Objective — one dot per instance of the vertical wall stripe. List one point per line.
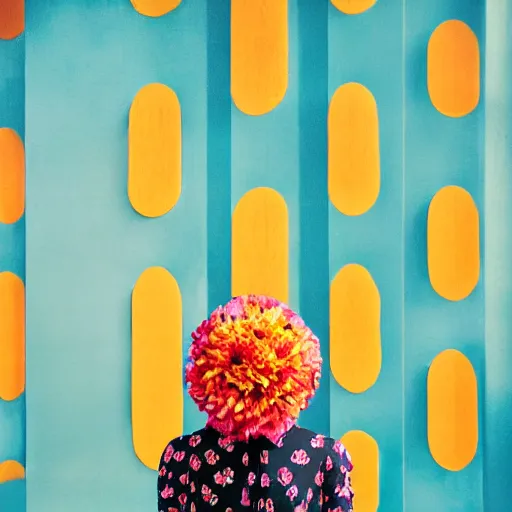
(219, 155)
(453, 243)
(364, 451)
(313, 203)
(12, 176)
(453, 69)
(497, 217)
(353, 150)
(12, 336)
(355, 329)
(11, 470)
(433, 324)
(154, 8)
(259, 54)
(12, 18)
(154, 150)
(452, 404)
(260, 245)
(157, 355)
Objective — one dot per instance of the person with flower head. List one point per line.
(254, 365)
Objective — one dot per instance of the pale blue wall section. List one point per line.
(12, 259)
(367, 49)
(86, 61)
(439, 151)
(498, 245)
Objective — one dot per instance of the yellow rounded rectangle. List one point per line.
(353, 6)
(11, 470)
(259, 54)
(12, 336)
(364, 452)
(154, 151)
(157, 364)
(453, 243)
(453, 69)
(154, 8)
(12, 176)
(353, 150)
(355, 350)
(260, 245)
(12, 18)
(452, 410)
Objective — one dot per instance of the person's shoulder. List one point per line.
(182, 444)
(331, 448)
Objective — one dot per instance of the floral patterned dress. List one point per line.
(302, 471)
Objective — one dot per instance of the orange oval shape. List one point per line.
(11, 470)
(356, 353)
(157, 368)
(353, 150)
(364, 452)
(154, 151)
(452, 410)
(154, 8)
(12, 18)
(259, 54)
(353, 6)
(12, 176)
(453, 69)
(12, 336)
(260, 245)
(453, 243)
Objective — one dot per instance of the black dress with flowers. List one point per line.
(303, 471)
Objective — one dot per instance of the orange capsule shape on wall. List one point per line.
(353, 150)
(11, 470)
(154, 151)
(260, 245)
(453, 243)
(12, 336)
(259, 54)
(353, 6)
(154, 8)
(12, 176)
(452, 410)
(364, 452)
(157, 364)
(453, 69)
(355, 329)
(12, 18)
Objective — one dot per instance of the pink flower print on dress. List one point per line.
(184, 478)
(292, 492)
(162, 471)
(211, 457)
(194, 441)
(339, 448)
(319, 479)
(261, 504)
(245, 459)
(269, 505)
(178, 456)
(328, 463)
(300, 457)
(264, 457)
(265, 480)
(192, 487)
(192, 507)
(208, 495)
(168, 453)
(251, 478)
(301, 508)
(225, 477)
(245, 498)
(317, 441)
(195, 462)
(183, 498)
(284, 476)
(167, 493)
(310, 495)
(226, 444)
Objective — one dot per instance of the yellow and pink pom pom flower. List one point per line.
(254, 365)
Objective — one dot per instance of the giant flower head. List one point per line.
(254, 365)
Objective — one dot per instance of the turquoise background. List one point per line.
(66, 86)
